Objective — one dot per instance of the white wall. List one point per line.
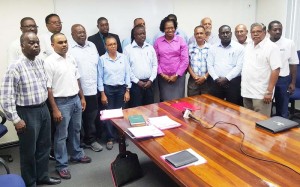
(121, 13)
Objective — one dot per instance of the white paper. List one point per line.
(111, 114)
(145, 131)
(163, 122)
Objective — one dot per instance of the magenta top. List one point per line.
(173, 57)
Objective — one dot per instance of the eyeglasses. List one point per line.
(55, 23)
(256, 32)
(30, 26)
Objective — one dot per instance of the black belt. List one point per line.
(32, 106)
(69, 97)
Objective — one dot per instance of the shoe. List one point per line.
(95, 146)
(50, 181)
(64, 174)
(51, 155)
(84, 159)
(109, 145)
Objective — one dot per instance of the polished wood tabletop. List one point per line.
(226, 165)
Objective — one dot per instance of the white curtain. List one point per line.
(293, 22)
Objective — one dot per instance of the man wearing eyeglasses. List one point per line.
(260, 71)
(27, 24)
(54, 25)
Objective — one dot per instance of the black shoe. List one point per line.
(50, 181)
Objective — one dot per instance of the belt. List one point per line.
(32, 106)
(69, 97)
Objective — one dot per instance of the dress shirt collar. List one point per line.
(58, 57)
(134, 44)
(230, 45)
(195, 45)
(174, 39)
(262, 43)
(74, 44)
(107, 57)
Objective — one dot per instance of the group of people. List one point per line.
(78, 77)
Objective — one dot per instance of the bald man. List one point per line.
(241, 33)
(211, 38)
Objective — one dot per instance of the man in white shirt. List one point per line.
(285, 84)
(87, 58)
(260, 71)
(67, 102)
(27, 24)
(54, 25)
(143, 66)
(241, 33)
(211, 38)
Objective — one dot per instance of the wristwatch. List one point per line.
(127, 89)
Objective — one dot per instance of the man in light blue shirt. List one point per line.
(143, 66)
(87, 57)
(127, 41)
(224, 64)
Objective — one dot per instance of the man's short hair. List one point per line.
(54, 35)
(199, 26)
(256, 25)
(25, 19)
(22, 37)
(273, 22)
(223, 27)
(50, 16)
(101, 19)
(163, 22)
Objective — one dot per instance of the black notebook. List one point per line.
(181, 158)
(276, 124)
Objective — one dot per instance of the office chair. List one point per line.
(11, 180)
(3, 131)
(296, 95)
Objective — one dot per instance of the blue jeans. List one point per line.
(35, 144)
(69, 127)
(115, 98)
(282, 96)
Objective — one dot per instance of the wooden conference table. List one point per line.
(220, 146)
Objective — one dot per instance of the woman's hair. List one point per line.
(164, 21)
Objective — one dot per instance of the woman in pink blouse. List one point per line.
(172, 55)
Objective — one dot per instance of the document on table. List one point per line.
(145, 131)
(111, 114)
(163, 122)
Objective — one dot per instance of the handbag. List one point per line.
(126, 168)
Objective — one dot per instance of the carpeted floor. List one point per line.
(97, 173)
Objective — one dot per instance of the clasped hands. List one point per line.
(144, 84)
(222, 81)
(169, 79)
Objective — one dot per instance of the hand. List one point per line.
(148, 84)
(166, 77)
(267, 98)
(20, 127)
(83, 104)
(291, 88)
(57, 117)
(173, 78)
(141, 84)
(126, 96)
(223, 81)
(200, 80)
(104, 100)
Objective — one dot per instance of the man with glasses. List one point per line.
(27, 24)
(224, 62)
(241, 33)
(260, 71)
(54, 25)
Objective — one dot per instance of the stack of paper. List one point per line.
(163, 122)
(145, 131)
(111, 114)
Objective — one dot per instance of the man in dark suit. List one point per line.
(99, 38)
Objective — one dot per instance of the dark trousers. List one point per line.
(35, 144)
(282, 96)
(88, 118)
(232, 93)
(140, 96)
(115, 98)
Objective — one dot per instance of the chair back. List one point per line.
(298, 72)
